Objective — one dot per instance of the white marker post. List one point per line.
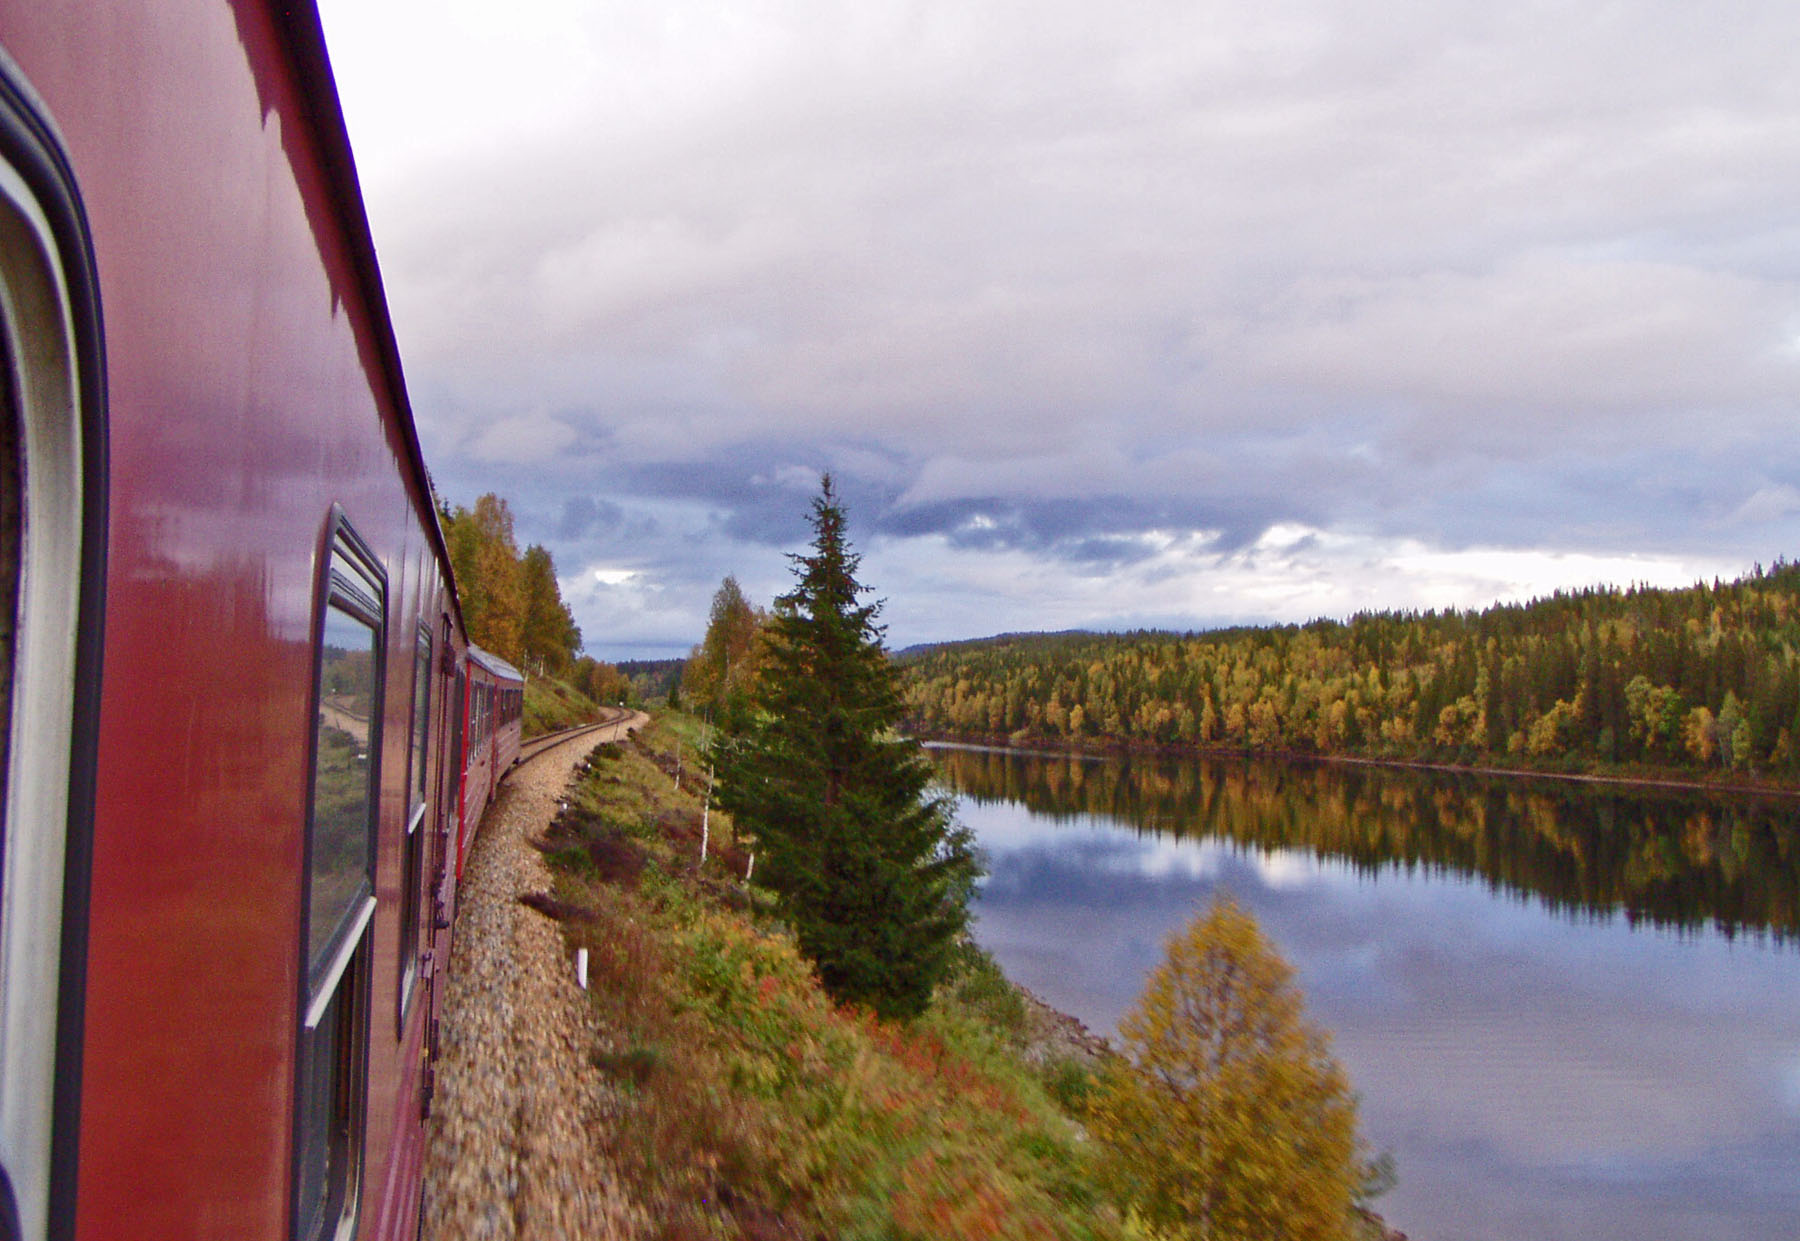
(706, 817)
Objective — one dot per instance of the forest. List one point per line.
(512, 604)
(1674, 858)
(1705, 678)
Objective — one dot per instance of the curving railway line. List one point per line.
(609, 716)
(520, 1125)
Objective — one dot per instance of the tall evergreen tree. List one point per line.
(869, 866)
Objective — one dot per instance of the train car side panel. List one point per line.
(250, 394)
(492, 721)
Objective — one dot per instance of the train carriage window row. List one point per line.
(340, 899)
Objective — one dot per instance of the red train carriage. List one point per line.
(236, 674)
(493, 711)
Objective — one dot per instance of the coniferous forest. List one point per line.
(1699, 679)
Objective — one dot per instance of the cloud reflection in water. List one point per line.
(1539, 1074)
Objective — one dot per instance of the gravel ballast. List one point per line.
(513, 1145)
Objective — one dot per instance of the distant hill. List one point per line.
(1704, 678)
(651, 678)
(920, 649)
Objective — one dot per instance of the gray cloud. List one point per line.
(581, 515)
(1059, 280)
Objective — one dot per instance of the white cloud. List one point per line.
(1292, 573)
(1543, 335)
(1166, 857)
(1400, 284)
(522, 439)
(1079, 472)
(1767, 504)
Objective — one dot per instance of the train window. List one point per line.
(343, 834)
(340, 898)
(421, 718)
(52, 540)
(413, 851)
(332, 1071)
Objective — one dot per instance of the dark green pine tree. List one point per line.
(870, 868)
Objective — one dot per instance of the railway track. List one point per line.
(537, 745)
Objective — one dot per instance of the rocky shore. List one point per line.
(1052, 1035)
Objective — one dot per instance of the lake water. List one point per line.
(1571, 1011)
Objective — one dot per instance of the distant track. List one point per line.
(537, 745)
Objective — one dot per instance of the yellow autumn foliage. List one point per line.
(1227, 1118)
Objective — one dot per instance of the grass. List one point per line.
(751, 1106)
(550, 705)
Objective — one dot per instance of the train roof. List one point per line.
(494, 664)
(305, 40)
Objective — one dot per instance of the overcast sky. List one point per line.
(1171, 314)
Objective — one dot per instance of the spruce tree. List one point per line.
(868, 865)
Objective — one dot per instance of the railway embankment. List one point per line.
(512, 1152)
(704, 1086)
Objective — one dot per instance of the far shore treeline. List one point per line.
(1224, 1116)
(512, 604)
(1700, 679)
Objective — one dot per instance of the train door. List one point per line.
(415, 848)
(52, 564)
(449, 749)
(459, 734)
(440, 816)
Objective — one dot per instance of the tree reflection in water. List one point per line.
(1569, 1008)
(1673, 858)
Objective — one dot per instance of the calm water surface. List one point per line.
(1571, 1012)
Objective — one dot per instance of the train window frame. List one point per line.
(331, 1048)
(413, 846)
(53, 402)
(423, 651)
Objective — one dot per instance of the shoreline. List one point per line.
(991, 1087)
(1121, 749)
(1052, 1035)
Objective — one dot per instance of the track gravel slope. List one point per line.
(513, 1150)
